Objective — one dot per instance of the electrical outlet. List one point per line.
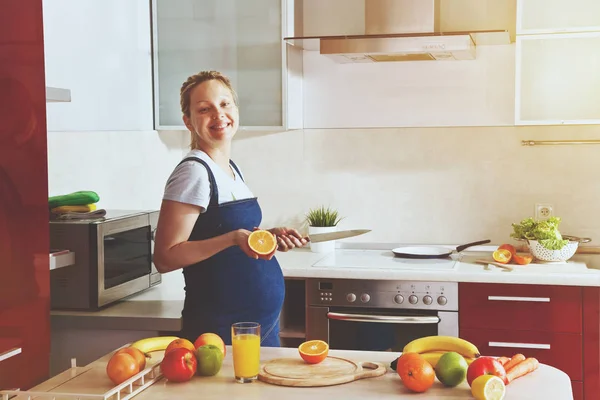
(543, 211)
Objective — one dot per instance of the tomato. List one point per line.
(137, 354)
(179, 365)
(121, 367)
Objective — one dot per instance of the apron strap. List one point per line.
(214, 191)
(237, 169)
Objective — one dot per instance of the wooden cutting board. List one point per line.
(331, 371)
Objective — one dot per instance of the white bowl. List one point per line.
(543, 254)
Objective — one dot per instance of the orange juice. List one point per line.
(246, 355)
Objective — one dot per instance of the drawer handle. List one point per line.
(512, 298)
(10, 353)
(520, 345)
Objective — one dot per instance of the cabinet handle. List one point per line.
(520, 345)
(513, 298)
(10, 353)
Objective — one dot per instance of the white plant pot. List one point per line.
(322, 247)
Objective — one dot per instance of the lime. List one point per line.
(210, 359)
(488, 387)
(451, 369)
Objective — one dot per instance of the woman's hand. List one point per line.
(288, 238)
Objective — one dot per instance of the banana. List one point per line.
(153, 343)
(442, 343)
(434, 356)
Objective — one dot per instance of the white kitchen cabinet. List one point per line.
(558, 79)
(554, 16)
(101, 51)
(240, 38)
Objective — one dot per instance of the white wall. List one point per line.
(426, 185)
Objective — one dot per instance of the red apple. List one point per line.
(179, 365)
(485, 366)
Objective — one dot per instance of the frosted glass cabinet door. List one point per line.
(548, 16)
(558, 79)
(240, 38)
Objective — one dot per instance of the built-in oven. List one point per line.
(379, 315)
(113, 259)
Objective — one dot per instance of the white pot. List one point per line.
(323, 247)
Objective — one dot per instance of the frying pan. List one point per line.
(432, 251)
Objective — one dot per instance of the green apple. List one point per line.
(210, 359)
(451, 369)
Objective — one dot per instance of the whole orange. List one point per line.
(121, 367)
(416, 373)
(210, 338)
(177, 343)
(137, 354)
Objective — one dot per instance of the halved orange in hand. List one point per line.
(502, 256)
(262, 242)
(313, 351)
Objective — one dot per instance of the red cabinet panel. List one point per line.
(526, 307)
(24, 242)
(591, 343)
(565, 349)
(577, 390)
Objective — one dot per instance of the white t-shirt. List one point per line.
(189, 183)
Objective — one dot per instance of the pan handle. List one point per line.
(466, 246)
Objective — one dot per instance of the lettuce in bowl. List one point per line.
(546, 232)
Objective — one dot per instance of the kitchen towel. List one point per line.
(82, 215)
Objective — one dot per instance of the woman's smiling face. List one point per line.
(214, 116)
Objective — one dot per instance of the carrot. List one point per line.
(503, 360)
(517, 358)
(522, 368)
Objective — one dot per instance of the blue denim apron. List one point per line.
(231, 287)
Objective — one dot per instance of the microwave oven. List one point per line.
(113, 259)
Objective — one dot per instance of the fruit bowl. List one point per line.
(566, 252)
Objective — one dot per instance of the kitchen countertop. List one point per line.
(159, 308)
(544, 383)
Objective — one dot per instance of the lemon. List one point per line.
(488, 387)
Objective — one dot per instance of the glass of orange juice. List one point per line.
(245, 343)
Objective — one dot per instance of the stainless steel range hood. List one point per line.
(401, 30)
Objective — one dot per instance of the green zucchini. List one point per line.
(79, 198)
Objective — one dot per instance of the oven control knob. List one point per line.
(351, 297)
(427, 300)
(442, 301)
(412, 299)
(365, 298)
(398, 299)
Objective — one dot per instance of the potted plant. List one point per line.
(322, 220)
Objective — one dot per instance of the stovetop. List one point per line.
(381, 259)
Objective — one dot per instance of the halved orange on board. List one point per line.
(502, 256)
(262, 242)
(313, 351)
(508, 247)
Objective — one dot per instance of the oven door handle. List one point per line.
(384, 319)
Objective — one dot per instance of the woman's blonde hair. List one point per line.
(193, 81)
